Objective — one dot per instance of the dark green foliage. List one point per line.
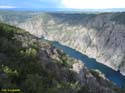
(72, 18)
(22, 67)
(84, 89)
(96, 74)
(26, 64)
(120, 18)
(117, 90)
(65, 59)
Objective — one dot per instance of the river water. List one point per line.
(112, 75)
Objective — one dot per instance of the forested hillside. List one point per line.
(33, 65)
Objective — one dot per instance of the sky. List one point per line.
(74, 4)
(30, 4)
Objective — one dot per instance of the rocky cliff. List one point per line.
(33, 65)
(100, 36)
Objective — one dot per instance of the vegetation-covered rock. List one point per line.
(33, 65)
(97, 35)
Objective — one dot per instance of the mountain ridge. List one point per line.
(100, 36)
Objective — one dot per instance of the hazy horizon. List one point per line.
(66, 10)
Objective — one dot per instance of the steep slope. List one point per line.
(100, 36)
(33, 65)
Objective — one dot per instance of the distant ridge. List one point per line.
(66, 9)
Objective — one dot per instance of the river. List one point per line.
(112, 75)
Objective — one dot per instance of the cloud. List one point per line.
(3, 6)
(93, 4)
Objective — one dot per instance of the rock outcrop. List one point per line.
(100, 36)
(34, 65)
